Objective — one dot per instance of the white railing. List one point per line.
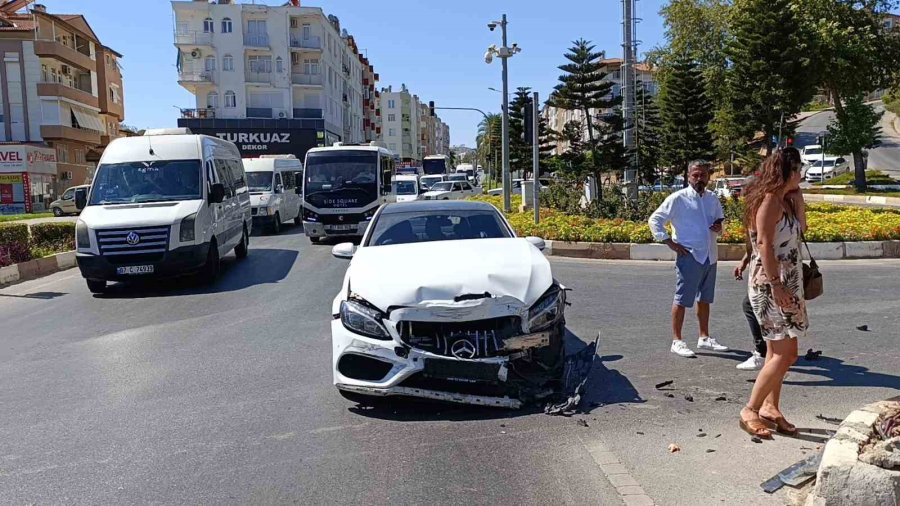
(199, 38)
(308, 79)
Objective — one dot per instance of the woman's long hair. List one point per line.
(773, 174)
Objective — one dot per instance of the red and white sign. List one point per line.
(17, 158)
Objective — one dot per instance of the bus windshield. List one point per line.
(151, 181)
(341, 178)
(434, 166)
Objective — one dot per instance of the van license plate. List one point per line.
(340, 227)
(135, 269)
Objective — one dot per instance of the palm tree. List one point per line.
(488, 140)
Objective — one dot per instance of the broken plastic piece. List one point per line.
(576, 370)
(664, 384)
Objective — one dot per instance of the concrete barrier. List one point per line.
(36, 268)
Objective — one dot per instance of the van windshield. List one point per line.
(260, 181)
(151, 181)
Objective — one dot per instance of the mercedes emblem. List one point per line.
(463, 349)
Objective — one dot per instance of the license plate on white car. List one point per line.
(340, 228)
(134, 269)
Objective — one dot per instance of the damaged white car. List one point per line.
(412, 319)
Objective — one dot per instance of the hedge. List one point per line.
(53, 235)
(17, 244)
(827, 222)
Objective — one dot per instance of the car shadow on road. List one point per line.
(837, 373)
(262, 266)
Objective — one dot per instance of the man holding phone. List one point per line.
(696, 218)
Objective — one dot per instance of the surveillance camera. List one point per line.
(491, 26)
(488, 57)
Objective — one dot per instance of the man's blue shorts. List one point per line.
(694, 281)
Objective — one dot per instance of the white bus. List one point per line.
(436, 164)
(343, 186)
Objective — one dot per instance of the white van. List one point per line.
(406, 187)
(275, 182)
(163, 204)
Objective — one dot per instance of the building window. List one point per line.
(230, 99)
(228, 62)
(393, 146)
(279, 65)
(307, 31)
(392, 104)
(210, 63)
(208, 25)
(392, 132)
(114, 94)
(45, 74)
(392, 117)
(212, 100)
(226, 25)
(62, 154)
(311, 66)
(260, 64)
(79, 156)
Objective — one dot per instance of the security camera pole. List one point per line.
(504, 53)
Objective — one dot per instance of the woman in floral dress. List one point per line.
(775, 284)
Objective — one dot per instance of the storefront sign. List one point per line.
(253, 142)
(15, 196)
(24, 158)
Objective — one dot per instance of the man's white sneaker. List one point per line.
(754, 363)
(710, 343)
(681, 349)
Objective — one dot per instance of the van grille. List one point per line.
(148, 244)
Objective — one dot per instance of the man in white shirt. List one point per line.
(696, 217)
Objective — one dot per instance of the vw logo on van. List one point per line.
(463, 349)
(132, 238)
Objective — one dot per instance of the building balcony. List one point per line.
(308, 113)
(308, 43)
(188, 76)
(59, 51)
(114, 109)
(194, 39)
(61, 132)
(304, 79)
(61, 90)
(259, 112)
(256, 40)
(259, 77)
(208, 113)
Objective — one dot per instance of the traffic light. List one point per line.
(431, 107)
(528, 122)
(790, 140)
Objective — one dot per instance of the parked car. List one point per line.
(275, 182)
(833, 166)
(66, 203)
(406, 187)
(488, 332)
(425, 182)
(451, 190)
(811, 153)
(728, 187)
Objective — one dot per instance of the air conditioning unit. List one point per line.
(67, 175)
(195, 53)
(65, 70)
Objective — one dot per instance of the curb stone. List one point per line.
(852, 199)
(36, 268)
(630, 251)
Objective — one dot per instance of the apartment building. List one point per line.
(557, 118)
(61, 89)
(273, 79)
(408, 128)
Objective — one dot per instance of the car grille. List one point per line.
(151, 244)
(466, 340)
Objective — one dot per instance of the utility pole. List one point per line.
(535, 155)
(628, 91)
(504, 53)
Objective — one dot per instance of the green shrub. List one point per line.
(13, 233)
(57, 236)
(873, 177)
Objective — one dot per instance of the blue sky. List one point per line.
(435, 47)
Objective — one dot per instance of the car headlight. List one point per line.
(82, 235)
(363, 319)
(186, 232)
(262, 211)
(547, 309)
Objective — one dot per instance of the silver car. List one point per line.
(66, 204)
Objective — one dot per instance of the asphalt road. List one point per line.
(885, 157)
(180, 394)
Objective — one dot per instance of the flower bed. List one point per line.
(827, 222)
(20, 242)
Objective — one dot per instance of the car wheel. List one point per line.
(96, 285)
(315, 240)
(211, 267)
(57, 212)
(241, 250)
(276, 224)
(362, 400)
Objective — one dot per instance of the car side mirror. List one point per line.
(216, 193)
(279, 188)
(537, 242)
(344, 250)
(80, 198)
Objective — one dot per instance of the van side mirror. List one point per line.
(80, 198)
(279, 188)
(216, 193)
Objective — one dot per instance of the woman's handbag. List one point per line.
(812, 277)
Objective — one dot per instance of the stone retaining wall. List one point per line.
(626, 251)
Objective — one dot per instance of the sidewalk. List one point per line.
(35, 221)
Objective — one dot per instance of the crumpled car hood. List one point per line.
(419, 273)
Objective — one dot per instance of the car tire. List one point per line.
(276, 224)
(315, 240)
(243, 248)
(58, 212)
(211, 268)
(96, 285)
(299, 219)
(362, 400)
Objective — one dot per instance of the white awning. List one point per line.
(87, 119)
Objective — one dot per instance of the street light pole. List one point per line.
(505, 123)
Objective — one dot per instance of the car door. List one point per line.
(291, 199)
(226, 210)
(68, 201)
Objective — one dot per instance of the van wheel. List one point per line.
(96, 285)
(276, 224)
(211, 267)
(57, 212)
(241, 250)
(299, 219)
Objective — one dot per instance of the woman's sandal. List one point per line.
(756, 427)
(782, 426)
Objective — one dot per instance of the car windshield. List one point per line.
(812, 151)
(426, 226)
(427, 182)
(406, 187)
(443, 186)
(337, 179)
(260, 181)
(457, 177)
(150, 181)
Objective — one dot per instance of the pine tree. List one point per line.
(582, 88)
(685, 113)
(546, 143)
(609, 151)
(519, 148)
(573, 158)
(771, 76)
(648, 131)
